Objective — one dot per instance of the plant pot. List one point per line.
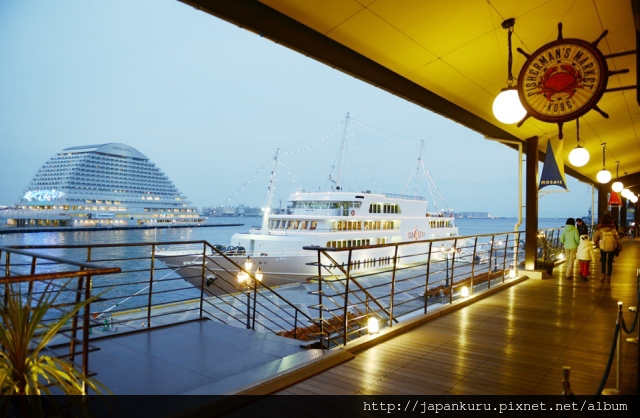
(547, 265)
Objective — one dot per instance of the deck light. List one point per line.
(373, 326)
(578, 156)
(617, 186)
(507, 107)
(464, 291)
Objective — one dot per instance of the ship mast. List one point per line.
(418, 167)
(267, 209)
(338, 180)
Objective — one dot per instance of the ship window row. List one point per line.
(350, 243)
(363, 225)
(325, 205)
(347, 243)
(106, 188)
(384, 208)
(440, 224)
(292, 224)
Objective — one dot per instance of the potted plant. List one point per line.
(25, 369)
(548, 252)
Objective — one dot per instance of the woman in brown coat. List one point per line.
(606, 238)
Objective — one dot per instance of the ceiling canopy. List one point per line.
(451, 57)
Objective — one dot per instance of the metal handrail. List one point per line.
(397, 278)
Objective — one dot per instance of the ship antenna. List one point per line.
(267, 209)
(338, 179)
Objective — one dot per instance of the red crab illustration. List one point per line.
(560, 79)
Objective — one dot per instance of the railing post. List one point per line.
(493, 239)
(346, 300)
(616, 391)
(204, 260)
(453, 263)
(151, 271)
(74, 321)
(320, 308)
(473, 265)
(426, 287)
(504, 256)
(255, 297)
(85, 334)
(393, 285)
(566, 384)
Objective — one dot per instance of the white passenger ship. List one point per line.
(335, 219)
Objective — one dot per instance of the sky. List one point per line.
(210, 103)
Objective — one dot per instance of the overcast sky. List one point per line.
(210, 103)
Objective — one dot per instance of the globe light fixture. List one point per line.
(634, 199)
(507, 107)
(617, 186)
(604, 175)
(578, 156)
(626, 193)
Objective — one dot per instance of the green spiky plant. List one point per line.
(24, 368)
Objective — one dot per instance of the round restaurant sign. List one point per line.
(562, 80)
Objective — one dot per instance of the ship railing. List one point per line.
(62, 288)
(145, 293)
(413, 279)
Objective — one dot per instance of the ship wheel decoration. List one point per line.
(563, 80)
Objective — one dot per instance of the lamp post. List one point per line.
(495, 255)
(249, 281)
(446, 252)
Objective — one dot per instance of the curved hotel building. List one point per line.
(108, 184)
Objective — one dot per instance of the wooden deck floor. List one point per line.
(514, 342)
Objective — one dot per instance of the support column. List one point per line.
(531, 204)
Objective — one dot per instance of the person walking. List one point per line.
(570, 239)
(585, 254)
(606, 238)
(583, 229)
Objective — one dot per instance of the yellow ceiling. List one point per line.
(458, 50)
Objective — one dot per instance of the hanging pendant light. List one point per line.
(507, 107)
(604, 175)
(626, 193)
(617, 186)
(578, 156)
